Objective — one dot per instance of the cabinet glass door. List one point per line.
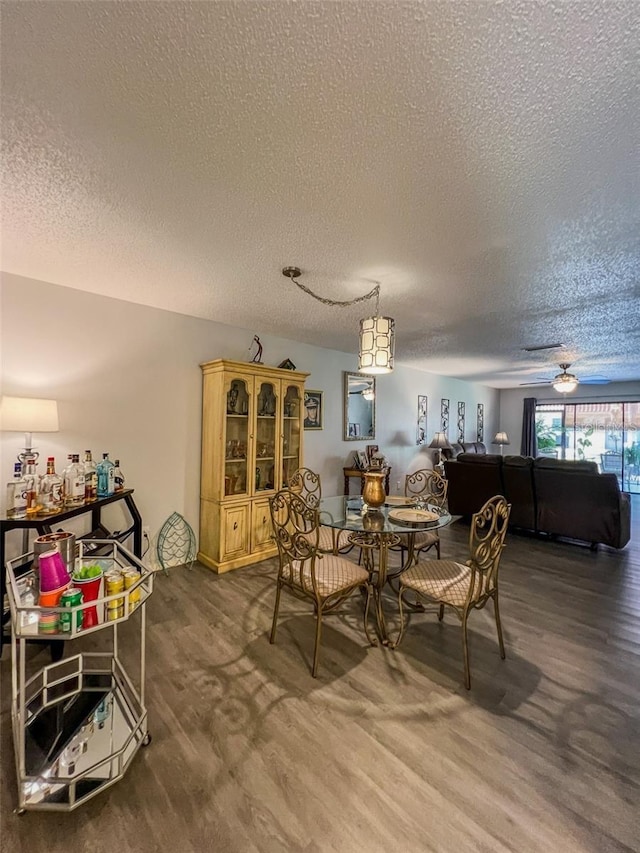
(236, 438)
(267, 407)
(292, 408)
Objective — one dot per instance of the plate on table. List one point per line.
(398, 500)
(413, 516)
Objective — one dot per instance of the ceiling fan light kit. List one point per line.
(376, 344)
(565, 383)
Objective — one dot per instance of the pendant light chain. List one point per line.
(377, 334)
(342, 304)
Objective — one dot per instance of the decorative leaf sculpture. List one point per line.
(176, 544)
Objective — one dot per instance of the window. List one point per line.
(602, 432)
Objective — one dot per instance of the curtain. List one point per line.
(529, 445)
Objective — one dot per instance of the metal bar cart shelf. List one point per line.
(77, 723)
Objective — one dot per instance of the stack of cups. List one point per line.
(54, 579)
(62, 541)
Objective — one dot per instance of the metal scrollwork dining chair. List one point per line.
(327, 580)
(468, 586)
(307, 484)
(428, 487)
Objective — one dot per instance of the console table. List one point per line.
(356, 472)
(47, 523)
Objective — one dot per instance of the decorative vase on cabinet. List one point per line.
(252, 431)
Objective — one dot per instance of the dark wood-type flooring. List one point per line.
(385, 750)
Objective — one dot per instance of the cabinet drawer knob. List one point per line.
(235, 525)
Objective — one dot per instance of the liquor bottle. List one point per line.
(17, 494)
(105, 471)
(51, 497)
(32, 486)
(101, 714)
(118, 477)
(74, 482)
(90, 478)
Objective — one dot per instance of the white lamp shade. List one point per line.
(501, 438)
(377, 342)
(26, 414)
(440, 441)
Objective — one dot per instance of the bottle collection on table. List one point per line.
(30, 493)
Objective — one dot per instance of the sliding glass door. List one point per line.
(606, 433)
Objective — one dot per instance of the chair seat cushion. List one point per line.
(333, 574)
(424, 538)
(330, 536)
(440, 580)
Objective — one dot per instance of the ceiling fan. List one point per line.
(367, 392)
(566, 382)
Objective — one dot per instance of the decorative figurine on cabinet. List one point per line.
(257, 358)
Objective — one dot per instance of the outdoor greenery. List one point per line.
(632, 455)
(583, 442)
(545, 437)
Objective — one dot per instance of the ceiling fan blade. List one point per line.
(542, 382)
(594, 380)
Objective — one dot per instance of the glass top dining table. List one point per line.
(350, 513)
(375, 530)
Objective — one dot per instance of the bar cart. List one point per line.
(78, 722)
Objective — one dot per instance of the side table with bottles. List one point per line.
(78, 722)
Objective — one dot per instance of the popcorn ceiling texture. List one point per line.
(479, 159)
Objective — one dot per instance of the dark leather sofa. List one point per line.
(465, 447)
(552, 496)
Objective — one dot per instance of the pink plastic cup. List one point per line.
(53, 572)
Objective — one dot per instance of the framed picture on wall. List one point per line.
(421, 433)
(313, 409)
(480, 430)
(444, 416)
(461, 422)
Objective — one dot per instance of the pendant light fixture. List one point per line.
(377, 334)
(565, 382)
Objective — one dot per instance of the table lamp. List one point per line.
(28, 415)
(440, 442)
(501, 438)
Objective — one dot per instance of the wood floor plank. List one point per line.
(385, 750)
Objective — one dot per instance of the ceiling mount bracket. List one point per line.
(292, 272)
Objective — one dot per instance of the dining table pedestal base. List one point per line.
(371, 544)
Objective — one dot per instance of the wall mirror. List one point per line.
(359, 406)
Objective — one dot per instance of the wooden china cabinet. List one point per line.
(252, 430)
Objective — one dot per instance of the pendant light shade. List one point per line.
(376, 345)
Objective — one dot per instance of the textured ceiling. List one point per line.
(479, 159)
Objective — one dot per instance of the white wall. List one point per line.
(127, 381)
(511, 403)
